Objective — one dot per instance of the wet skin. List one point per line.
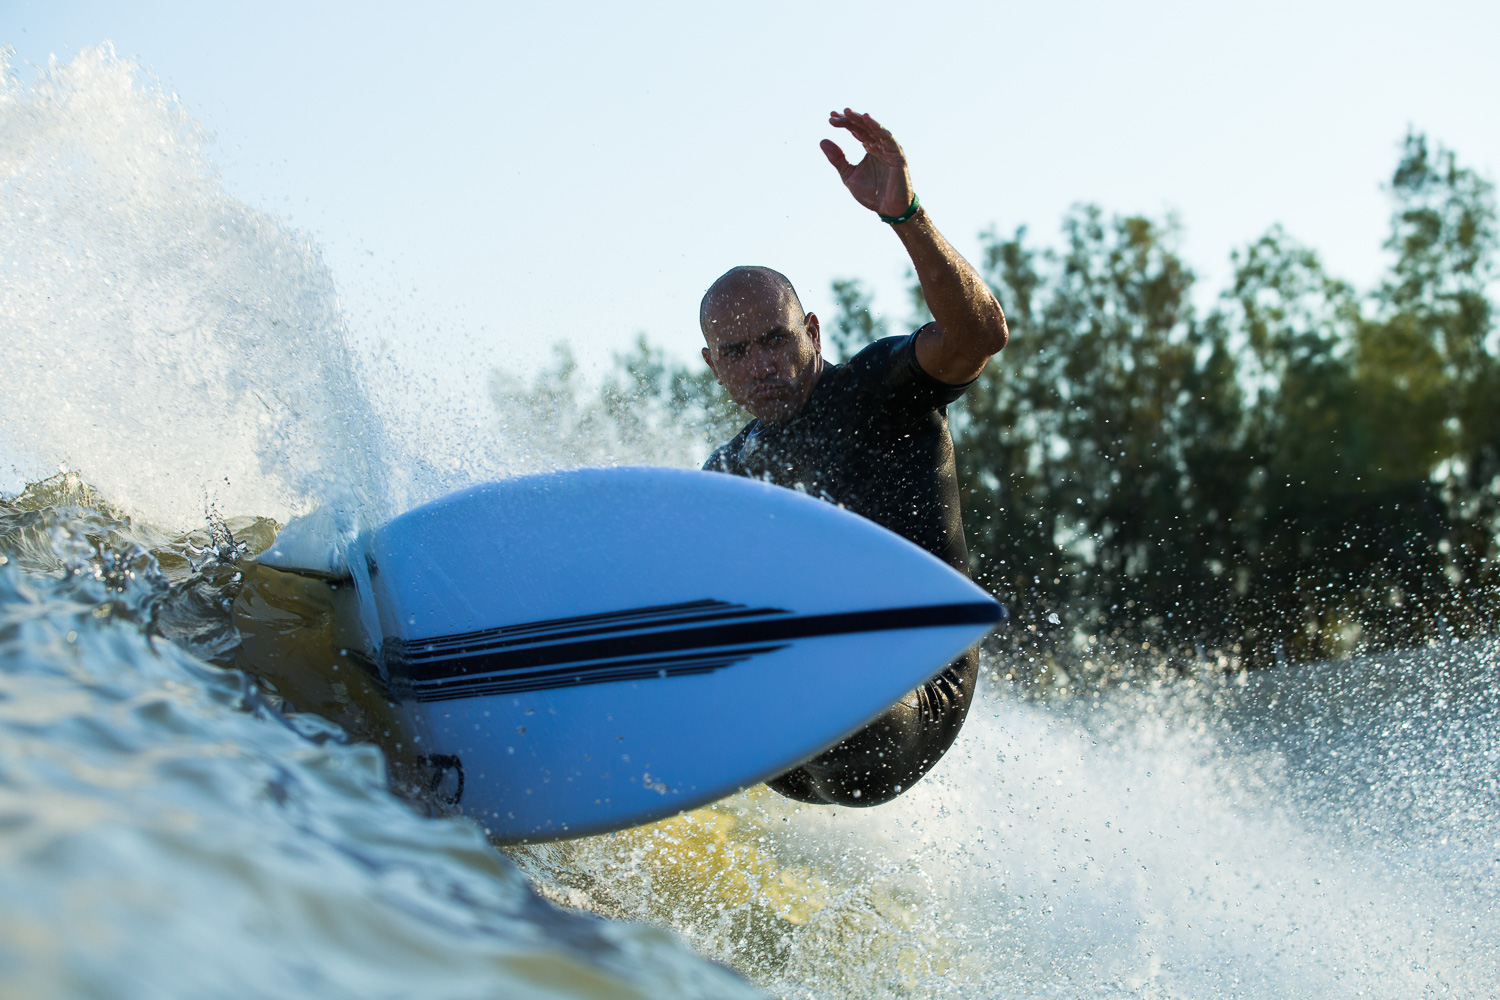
(764, 350)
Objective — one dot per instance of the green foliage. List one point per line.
(1435, 305)
(649, 409)
(854, 326)
(1301, 469)
(1100, 454)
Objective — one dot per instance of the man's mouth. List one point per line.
(761, 390)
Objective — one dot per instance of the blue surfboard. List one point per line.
(589, 650)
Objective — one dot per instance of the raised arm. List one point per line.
(968, 325)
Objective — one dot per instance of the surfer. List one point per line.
(870, 434)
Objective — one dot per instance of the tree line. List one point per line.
(1302, 469)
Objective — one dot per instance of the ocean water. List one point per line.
(1329, 831)
(194, 802)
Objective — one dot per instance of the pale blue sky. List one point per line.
(488, 178)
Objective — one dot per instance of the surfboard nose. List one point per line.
(563, 636)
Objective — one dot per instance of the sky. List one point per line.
(488, 179)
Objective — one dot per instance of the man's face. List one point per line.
(767, 355)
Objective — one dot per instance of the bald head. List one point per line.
(741, 289)
(764, 349)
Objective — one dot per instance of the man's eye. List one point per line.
(734, 351)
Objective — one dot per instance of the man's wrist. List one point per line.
(917, 229)
(911, 210)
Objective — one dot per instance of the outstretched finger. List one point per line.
(836, 157)
(848, 119)
(878, 132)
(869, 132)
(880, 138)
(854, 122)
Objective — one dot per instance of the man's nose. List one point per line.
(762, 360)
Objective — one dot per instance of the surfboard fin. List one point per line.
(314, 545)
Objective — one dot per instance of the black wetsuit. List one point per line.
(874, 438)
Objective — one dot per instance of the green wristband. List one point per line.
(896, 220)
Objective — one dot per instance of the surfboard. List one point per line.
(589, 650)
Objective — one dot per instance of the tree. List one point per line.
(1435, 303)
(648, 409)
(854, 324)
(1094, 450)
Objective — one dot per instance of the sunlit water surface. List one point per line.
(172, 825)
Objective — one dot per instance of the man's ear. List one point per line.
(814, 331)
(708, 359)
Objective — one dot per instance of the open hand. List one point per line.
(881, 181)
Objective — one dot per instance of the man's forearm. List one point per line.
(970, 318)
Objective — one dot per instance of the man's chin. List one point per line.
(772, 409)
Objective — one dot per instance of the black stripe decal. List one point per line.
(629, 615)
(704, 640)
(557, 630)
(644, 668)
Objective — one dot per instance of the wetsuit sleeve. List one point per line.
(886, 757)
(897, 376)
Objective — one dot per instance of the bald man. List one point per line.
(870, 434)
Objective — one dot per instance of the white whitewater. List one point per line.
(174, 346)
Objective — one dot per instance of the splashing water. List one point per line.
(170, 827)
(174, 346)
(1330, 831)
(167, 826)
